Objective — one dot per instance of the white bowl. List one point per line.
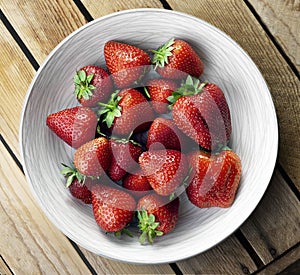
(254, 136)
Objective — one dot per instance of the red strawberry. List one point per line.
(125, 155)
(176, 59)
(92, 84)
(164, 134)
(159, 90)
(126, 63)
(93, 158)
(113, 208)
(214, 178)
(202, 113)
(75, 126)
(157, 216)
(137, 183)
(164, 169)
(78, 184)
(127, 111)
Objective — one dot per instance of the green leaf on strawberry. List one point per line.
(148, 226)
(111, 110)
(161, 55)
(192, 86)
(83, 86)
(71, 173)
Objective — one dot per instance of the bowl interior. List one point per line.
(254, 137)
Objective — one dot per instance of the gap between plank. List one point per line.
(6, 265)
(288, 180)
(19, 41)
(165, 4)
(248, 247)
(88, 17)
(273, 39)
(277, 258)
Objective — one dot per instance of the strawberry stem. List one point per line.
(110, 110)
(162, 54)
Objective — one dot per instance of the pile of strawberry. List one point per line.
(145, 131)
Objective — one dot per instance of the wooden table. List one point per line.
(267, 243)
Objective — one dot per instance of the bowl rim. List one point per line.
(163, 11)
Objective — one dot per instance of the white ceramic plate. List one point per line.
(254, 137)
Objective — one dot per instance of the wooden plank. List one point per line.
(42, 24)
(288, 264)
(229, 257)
(105, 266)
(29, 242)
(235, 19)
(274, 226)
(117, 5)
(282, 19)
(4, 270)
(16, 74)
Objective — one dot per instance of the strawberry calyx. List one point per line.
(83, 86)
(161, 55)
(111, 109)
(192, 86)
(72, 173)
(147, 226)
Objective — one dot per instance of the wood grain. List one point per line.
(236, 20)
(229, 257)
(117, 5)
(42, 24)
(16, 73)
(275, 224)
(105, 266)
(4, 270)
(282, 19)
(288, 264)
(29, 243)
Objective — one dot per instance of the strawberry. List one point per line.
(164, 134)
(137, 183)
(93, 158)
(125, 155)
(159, 90)
(75, 126)
(113, 208)
(165, 170)
(126, 63)
(127, 110)
(200, 111)
(214, 178)
(92, 84)
(157, 216)
(78, 184)
(176, 59)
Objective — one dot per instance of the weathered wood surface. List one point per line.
(16, 74)
(117, 5)
(29, 242)
(282, 18)
(229, 257)
(289, 264)
(274, 226)
(42, 25)
(4, 270)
